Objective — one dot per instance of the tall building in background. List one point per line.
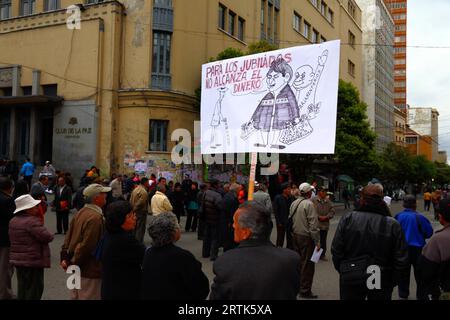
(425, 121)
(378, 69)
(399, 13)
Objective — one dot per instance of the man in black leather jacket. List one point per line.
(371, 231)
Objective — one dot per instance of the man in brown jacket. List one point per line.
(325, 212)
(305, 237)
(139, 202)
(85, 231)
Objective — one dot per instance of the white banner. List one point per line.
(283, 101)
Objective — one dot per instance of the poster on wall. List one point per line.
(283, 101)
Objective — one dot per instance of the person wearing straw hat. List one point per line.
(29, 252)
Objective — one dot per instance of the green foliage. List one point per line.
(228, 53)
(260, 47)
(355, 140)
(442, 173)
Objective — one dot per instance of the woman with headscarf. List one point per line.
(169, 272)
(29, 252)
(121, 254)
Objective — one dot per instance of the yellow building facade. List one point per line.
(111, 92)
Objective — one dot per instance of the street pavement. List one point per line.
(326, 279)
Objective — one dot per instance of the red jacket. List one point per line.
(29, 242)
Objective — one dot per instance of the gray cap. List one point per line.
(95, 189)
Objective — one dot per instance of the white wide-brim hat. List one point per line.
(25, 202)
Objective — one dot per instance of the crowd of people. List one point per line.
(105, 239)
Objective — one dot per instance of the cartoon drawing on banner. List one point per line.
(218, 118)
(278, 109)
(281, 116)
(281, 101)
(305, 78)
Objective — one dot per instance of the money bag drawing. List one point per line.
(283, 117)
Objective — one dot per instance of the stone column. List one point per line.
(33, 135)
(16, 86)
(36, 86)
(12, 135)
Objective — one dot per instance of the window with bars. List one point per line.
(5, 9)
(161, 60)
(158, 135)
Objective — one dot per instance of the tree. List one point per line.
(442, 173)
(355, 141)
(423, 170)
(396, 165)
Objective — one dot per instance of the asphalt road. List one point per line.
(326, 280)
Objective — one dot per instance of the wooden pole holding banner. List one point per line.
(251, 184)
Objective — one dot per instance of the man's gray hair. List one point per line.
(162, 229)
(257, 218)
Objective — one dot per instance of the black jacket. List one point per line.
(7, 207)
(172, 273)
(177, 201)
(376, 235)
(78, 200)
(230, 204)
(66, 195)
(256, 270)
(211, 210)
(281, 207)
(121, 266)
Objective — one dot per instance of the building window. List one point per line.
(161, 60)
(231, 22)
(323, 8)
(297, 21)
(27, 7)
(330, 16)
(351, 9)
(306, 29)
(351, 68)
(351, 39)
(5, 9)
(222, 11)
(270, 22)
(263, 19)
(315, 3)
(241, 29)
(322, 39)
(315, 36)
(158, 135)
(50, 5)
(157, 3)
(275, 24)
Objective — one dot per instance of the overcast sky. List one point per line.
(429, 69)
